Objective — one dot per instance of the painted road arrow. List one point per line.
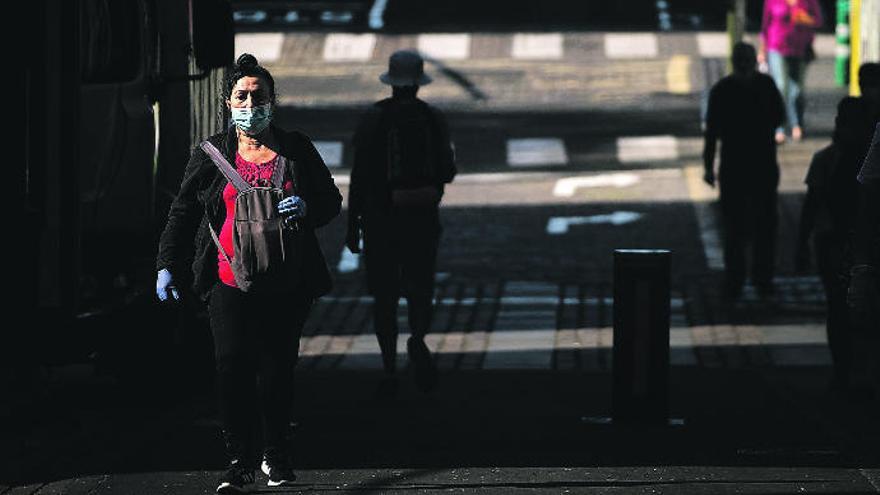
(561, 225)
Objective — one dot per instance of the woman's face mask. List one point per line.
(250, 105)
(252, 120)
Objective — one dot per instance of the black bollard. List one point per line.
(641, 336)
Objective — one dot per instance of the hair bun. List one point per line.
(246, 60)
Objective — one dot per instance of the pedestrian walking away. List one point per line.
(863, 296)
(869, 86)
(786, 47)
(828, 216)
(241, 233)
(743, 112)
(403, 159)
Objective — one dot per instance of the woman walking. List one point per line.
(256, 332)
(787, 32)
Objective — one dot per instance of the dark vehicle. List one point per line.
(117, 93)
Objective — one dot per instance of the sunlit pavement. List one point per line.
(568, 147)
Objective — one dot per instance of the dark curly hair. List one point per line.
(245, 66)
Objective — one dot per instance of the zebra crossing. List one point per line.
(554, 152)
(539, 325)
(316, 47)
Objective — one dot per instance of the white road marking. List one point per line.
(330, 151)
(561, 225)
(545, 46)
(343, 47)
(536, 151)
(445, 46)
(266, 47)
(647, 149)
(713, 45)
(377, 14)
(701, 196)
(631, 45)
(825, 45)
(567, 187)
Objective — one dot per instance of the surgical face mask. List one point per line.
(252, 120)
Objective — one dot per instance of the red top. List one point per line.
(257, 175)
(781, 30)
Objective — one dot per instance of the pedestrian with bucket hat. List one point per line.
(403, 159)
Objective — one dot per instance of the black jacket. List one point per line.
(369, 191)
(744, 113)
(186, 239)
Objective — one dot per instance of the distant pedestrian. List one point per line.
(863, 294)
(828, 216)
(787, 31)
(869, 86)
(403, 159)
(864, 289)
(222, 245)
(744, 110)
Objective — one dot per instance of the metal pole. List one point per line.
(641, 336)
(855, 14)
(736, 26)
(740, 13)
(841, 62)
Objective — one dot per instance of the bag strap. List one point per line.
(278, 173)
(228, 170)
(219, 246)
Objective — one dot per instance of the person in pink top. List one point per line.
(787, 32)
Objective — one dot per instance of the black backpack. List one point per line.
(266, 253)
(412, 137)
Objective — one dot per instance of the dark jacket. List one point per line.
(369, 192)
(186, 239)
(744, 112)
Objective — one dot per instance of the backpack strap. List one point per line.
(228, 170)
(278, 173)
(219, 246)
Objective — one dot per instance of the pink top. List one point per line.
(781, 29)
(258, 175)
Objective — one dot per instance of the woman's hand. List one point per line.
(292, 207)
(165, 284)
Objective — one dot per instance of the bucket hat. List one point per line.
(405, 68)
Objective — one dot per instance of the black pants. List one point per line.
(749, 217)
(256, 344)
(401, 258)
(829, 250)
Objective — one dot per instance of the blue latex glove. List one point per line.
(292, 207)
(165, 284)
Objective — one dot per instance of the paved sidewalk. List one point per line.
(481, 432)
